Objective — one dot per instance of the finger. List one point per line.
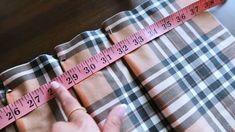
(114, 119)
(68, 102)
(63, 127)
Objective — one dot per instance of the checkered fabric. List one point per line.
(10, 128)
(188, 72)
(24, 78)
(112, 85)
(181, 81)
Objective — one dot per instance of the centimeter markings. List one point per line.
(44, 93)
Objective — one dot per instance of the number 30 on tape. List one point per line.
(44, 93)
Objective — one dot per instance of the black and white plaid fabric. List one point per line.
(188, 72)
(181, 81)
(121, 85)
(24, 78)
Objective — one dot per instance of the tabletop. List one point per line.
(30, 28)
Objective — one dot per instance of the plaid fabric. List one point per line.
(26, 77)
(181, 81)
(10, 128)
(188, 72)
(110, 86)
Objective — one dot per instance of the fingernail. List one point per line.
(55, 85)
(122, 110)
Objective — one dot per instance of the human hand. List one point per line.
(79, 120)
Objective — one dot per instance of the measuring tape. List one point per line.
(44, 93)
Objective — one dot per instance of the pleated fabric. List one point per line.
(181, 81)
(27, 77)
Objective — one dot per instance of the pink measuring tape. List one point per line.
(44, 93)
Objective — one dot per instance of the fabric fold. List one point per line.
(27, 77)
(188, 72)
(110, 86)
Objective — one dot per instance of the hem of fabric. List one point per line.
(65, 50)
(20, 65)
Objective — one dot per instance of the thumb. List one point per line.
(114, 119)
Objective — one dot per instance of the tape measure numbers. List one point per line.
(44, 93)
